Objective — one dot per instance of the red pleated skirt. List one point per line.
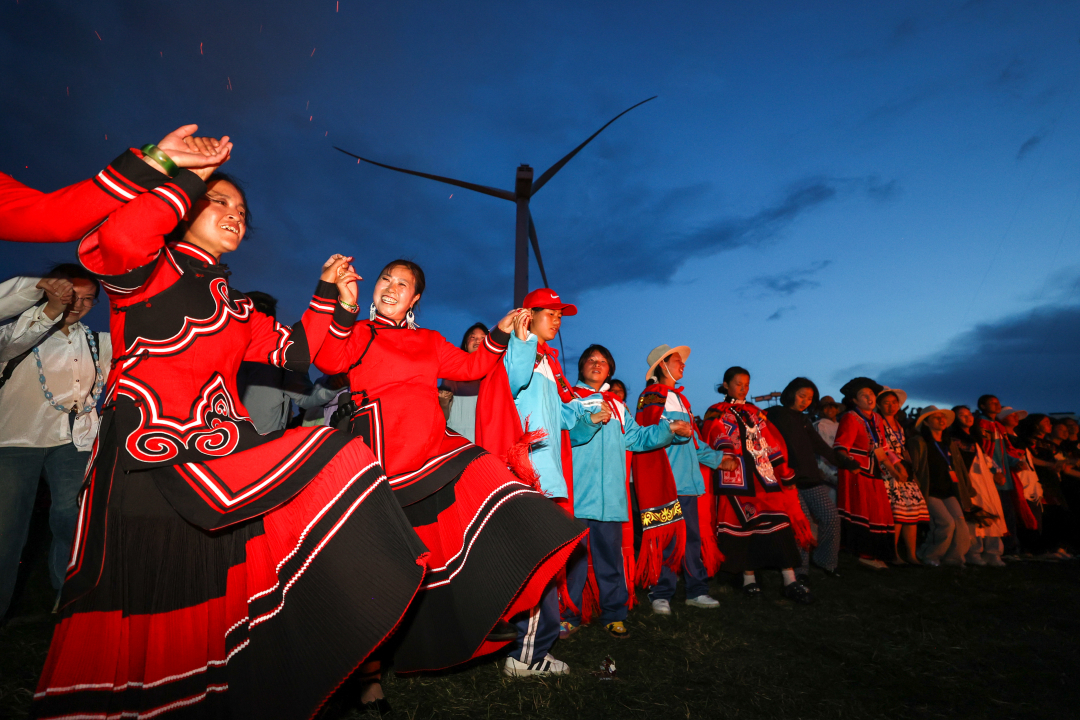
(866, 519)
(264, 618)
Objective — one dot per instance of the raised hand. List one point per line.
(521, 323)
(509, 323)
(58, 294)
(192, 152)
(339, 270)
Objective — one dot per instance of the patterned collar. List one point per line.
(194, 251)
(381, 319)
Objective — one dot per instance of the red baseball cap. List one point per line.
(548, 299)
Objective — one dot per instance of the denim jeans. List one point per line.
(20, 468)
(694, 574)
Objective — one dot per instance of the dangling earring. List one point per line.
(371, 316)
(410, 319)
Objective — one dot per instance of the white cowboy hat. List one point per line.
(933, 410)
(1010, 411)
(901, 396)
(658, 353)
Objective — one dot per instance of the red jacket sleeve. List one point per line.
(342, 343)
(133, 236)
(293, 348)
(456, 364)
(28, 215)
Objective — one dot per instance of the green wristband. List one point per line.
(155, 153)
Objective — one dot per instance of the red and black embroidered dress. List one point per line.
(862, 501)
(759, 521)
(28, 215)
(215, 572)
(495, 542)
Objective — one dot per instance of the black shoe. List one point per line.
(803, 580)
(377, 708)
(799, 593)
(503, 632)
(752, 590)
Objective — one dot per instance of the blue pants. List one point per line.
(697, 582)
(20, 469)
(538, 629)
(606, 541)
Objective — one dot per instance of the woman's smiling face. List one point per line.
(395, 293)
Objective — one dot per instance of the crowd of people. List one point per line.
(229, 537)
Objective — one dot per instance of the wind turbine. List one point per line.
(524, 188)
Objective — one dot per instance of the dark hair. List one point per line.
(983, 399)
(465, 337)
(616, 381)
(264, 302)
(787, 397)
(657, 373)
(594, 348)
(416, 270)
(74, 271)
(181, 228)
(1029, 426)
(730, 374)
(967, 435)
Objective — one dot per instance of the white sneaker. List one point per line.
(661, 607)
(546, 665)
(703, 601)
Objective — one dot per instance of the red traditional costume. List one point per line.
(495, 543)
(866, 519)
(760, 523)
(658, 501)
(215, 572)
(28, 215)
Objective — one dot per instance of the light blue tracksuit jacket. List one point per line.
(600, 463)
(537, 399)
(682, 454)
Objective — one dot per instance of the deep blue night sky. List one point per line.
(820, 189)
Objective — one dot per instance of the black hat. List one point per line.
(856, 384)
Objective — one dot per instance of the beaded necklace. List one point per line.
(99, 381)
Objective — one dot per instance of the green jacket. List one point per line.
(917, 448)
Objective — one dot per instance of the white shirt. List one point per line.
(26, 417)
(18, 294)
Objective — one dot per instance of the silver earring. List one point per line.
(372, 315)
(410, 318)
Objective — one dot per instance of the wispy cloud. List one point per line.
(789, 282)
(780, 312)
(1028, 146)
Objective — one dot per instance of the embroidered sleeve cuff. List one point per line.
(497, 340)
(323, 301)
(181, 192)
(326, 291)
(342, 324)
(127, 177)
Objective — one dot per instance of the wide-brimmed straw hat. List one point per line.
(658, 353)
(934, 410)
(1006, 411)
(900, 394)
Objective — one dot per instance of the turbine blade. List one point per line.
(494, 192)
(536, 250)
(550, 172)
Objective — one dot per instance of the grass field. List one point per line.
(908, 643)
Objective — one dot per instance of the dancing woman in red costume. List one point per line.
(215, 572)
(28, 215)
(495, 542)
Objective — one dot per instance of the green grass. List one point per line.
(907, 643)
